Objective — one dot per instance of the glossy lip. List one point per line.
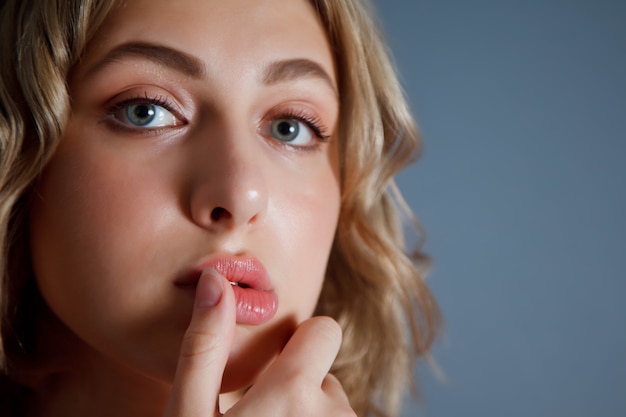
(256, 300)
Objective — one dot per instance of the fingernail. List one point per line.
(210, 289)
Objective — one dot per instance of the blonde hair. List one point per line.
(374, 288)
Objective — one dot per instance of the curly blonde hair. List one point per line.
(374, 287)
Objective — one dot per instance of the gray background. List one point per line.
(521, 189)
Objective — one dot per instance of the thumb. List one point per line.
(204, 350)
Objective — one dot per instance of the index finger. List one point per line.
(204, 350)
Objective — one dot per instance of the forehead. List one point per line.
(238, 34)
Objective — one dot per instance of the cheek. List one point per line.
(93, 229)
(94, 208)
(307, 220)
(74, 219)
(89, 232)
(63, 208)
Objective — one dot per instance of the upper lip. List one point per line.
(245, 271)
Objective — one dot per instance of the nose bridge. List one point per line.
(229, 185)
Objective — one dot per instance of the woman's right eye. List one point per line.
(144, 115)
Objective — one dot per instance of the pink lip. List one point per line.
(256, 300)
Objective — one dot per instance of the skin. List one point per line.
(123, 210)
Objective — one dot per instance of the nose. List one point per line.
(229, 189)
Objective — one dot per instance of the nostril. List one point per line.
(220, 213)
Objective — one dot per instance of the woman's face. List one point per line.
(202, 133)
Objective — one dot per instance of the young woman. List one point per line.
(183, 186)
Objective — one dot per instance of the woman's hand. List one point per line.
(297, 383)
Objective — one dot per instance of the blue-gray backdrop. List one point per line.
(522, 191)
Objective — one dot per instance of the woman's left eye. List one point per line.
(298, 130)
(144, 115)
(291, 131)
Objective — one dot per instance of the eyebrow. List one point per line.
(168, 57)
(293, 69)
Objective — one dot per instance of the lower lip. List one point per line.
(255, 307)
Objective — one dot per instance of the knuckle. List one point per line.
(331, 382)
(196, 344)
(297, 380)
(328, 328)
(304, 398)
(332, 379)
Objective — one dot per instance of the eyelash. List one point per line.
(313, 122)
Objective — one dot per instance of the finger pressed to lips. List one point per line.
(205, 348)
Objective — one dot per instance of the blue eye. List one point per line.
(141, 114)
(144, 115)
(291, 131)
